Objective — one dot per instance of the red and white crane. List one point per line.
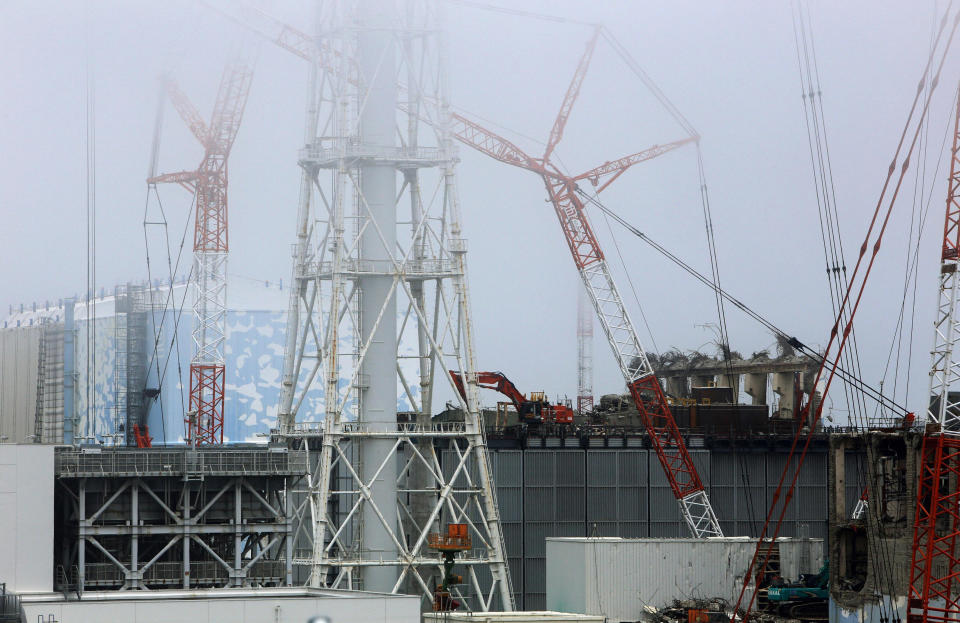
(208, 183)
(936, 561)
(603, 294)
(589, 260)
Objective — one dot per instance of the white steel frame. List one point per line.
(429, 287)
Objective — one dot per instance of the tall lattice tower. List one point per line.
(380, 314)
(584, 353)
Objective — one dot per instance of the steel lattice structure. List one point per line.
(381, 298)
(584, 355)
(208, 183)
(602, 291)
(936, 562)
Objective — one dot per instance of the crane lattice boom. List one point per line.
(204, 420)
(588, 257)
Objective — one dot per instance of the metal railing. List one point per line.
(139, 462)
(331, 151)
(9, 605)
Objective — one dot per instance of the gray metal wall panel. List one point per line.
(601, 469)
(624, 492)
(538, 504)
(723, 469)
(814, 470)
(513, 539)
(631, 504)
(632, 468)
(701, 460)
(570, 503)
(539, 468)
(602, 504)
(663, 505)
(19, 351)
(534, 538)
(569, 467)
(508, 468)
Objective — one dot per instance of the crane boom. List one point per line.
(588, 257)
(933, 595)
(204, 419)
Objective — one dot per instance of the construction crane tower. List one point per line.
(933, 586)
(208, 183)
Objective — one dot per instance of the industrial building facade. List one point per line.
(615, 487)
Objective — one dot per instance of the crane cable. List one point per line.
(840, 334)
(807, 351)
(836, 268)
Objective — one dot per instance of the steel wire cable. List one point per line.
(880, 220)
(793, 341)
(832, 242)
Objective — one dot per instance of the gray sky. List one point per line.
(730, 67)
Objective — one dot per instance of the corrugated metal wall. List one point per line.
(623, 492)
(19, 349)
(619, 578)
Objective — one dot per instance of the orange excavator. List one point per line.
(535, 410)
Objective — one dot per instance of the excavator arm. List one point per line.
(492, 380)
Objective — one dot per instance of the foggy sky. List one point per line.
(730, 67)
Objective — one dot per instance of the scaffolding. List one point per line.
(185, 518)
(379, 259)
(48, 419)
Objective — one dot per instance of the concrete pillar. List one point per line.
(701, 380)
(783, 386)
(755, 386)
(677, 386)
(732, 381)
(378, 183)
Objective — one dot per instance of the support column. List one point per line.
(187, 531)
(701, 380)
(733, 382)
(237, 531)
(134, 535)
(82, 541)
(378, 404)
(755, 386)
(677, 386)
(288, 515)
(783, 386)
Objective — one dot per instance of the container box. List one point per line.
(513, 617)
(626, 579)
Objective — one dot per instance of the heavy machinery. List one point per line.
(805, 599)
(457, 539)
(565, 196)
(534, 411)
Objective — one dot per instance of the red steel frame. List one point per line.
(936, 562)
(206, 401)
(935, 565)
(588, 257)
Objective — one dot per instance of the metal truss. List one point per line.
(936, 561)
(172, 532)
(380, 312)
(204, 420)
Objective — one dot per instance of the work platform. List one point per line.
(174, 518)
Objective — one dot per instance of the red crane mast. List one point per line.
(590, 262)
(936, 562)
(208, 183)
